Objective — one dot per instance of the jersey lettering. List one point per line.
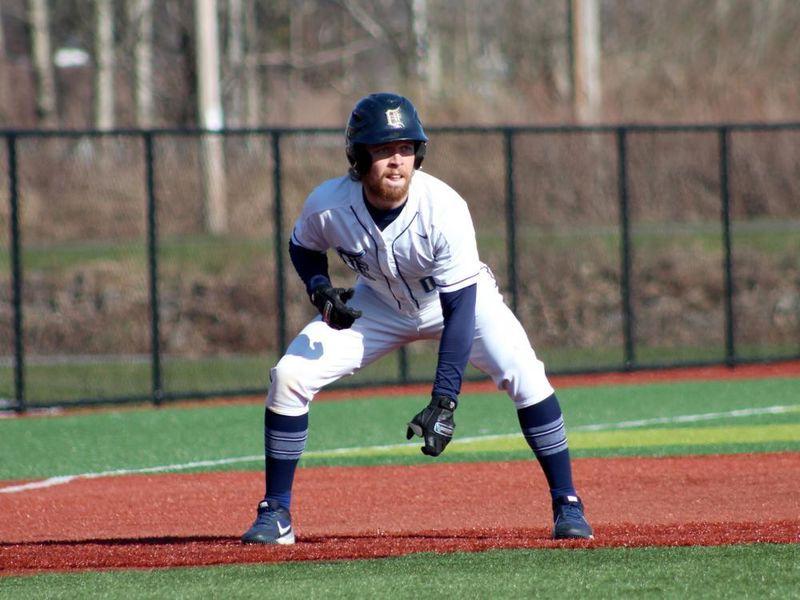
(355, 262)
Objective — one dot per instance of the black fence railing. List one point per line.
(620, 248)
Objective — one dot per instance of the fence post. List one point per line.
(279, 249)
(730, 348)
(157, 388)
(511, 210)
(402, 357)
(625, 248)
(16, 275)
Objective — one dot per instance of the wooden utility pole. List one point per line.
(140, 16)
(235, 61)
(211, 116)
(104, 55)
(297, 15)
(585, 38)
(251, 73)
(43, 63)
(3, 73)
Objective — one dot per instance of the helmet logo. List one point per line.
(394, 119)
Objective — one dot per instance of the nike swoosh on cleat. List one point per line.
(282, 530)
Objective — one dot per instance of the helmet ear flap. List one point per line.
(419, 153)
(360, 161)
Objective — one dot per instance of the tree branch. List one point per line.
(324, 57)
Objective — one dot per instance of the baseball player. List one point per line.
(410, 240)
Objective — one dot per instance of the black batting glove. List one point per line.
(330, 302)
(434, 424)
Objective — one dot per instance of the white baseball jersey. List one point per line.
(430, 247)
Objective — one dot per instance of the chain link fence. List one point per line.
(153, 265)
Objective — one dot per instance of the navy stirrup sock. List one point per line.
(543, 427)
(284, 442)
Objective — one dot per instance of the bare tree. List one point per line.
(587, 92)
(427, 67)
(42, 62)
(251, 72)
(235, 61)
(3, 69)
(348, 63)
(140, 16)
(373, 27)
(297, 10)
(211, 116)
(104, 53)
(466, 42)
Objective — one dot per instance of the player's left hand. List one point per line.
(434, 424)
(331, 303)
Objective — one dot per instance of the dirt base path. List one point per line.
(367, 512)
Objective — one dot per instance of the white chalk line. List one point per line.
(63, 479)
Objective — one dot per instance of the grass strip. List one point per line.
(745, 571)
(137, 438)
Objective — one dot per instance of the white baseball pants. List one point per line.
(320, 355)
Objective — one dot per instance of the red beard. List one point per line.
(389, 194)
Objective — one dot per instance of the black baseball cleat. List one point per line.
(273, 525)
(568, 519)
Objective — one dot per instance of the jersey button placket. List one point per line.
(387, 267)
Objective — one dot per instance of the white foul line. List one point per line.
(744, 412)
(62, 479)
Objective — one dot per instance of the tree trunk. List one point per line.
(211, 117)
(140, 15)
(43, 63)
(425, 72)
(466, 46)
(296, 17)
(251, 75)
(104, 52)
(587, 91)
(4, 109)
(235, 58)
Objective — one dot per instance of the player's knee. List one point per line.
(289, 393)
(526, 382)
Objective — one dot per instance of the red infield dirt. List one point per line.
(369, 512)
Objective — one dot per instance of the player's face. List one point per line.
(386, 184)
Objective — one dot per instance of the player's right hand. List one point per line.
(434, 424)
(330, 302)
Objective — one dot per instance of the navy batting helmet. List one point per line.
(377, 119)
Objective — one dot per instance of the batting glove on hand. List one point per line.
(330, 302)
(434, 424)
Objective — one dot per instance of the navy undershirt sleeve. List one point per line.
(312, 266)
(458, 309)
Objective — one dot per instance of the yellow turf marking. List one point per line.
(580, 440)
(688, 436)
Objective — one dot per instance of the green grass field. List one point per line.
(633, 420)
(747, 571)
